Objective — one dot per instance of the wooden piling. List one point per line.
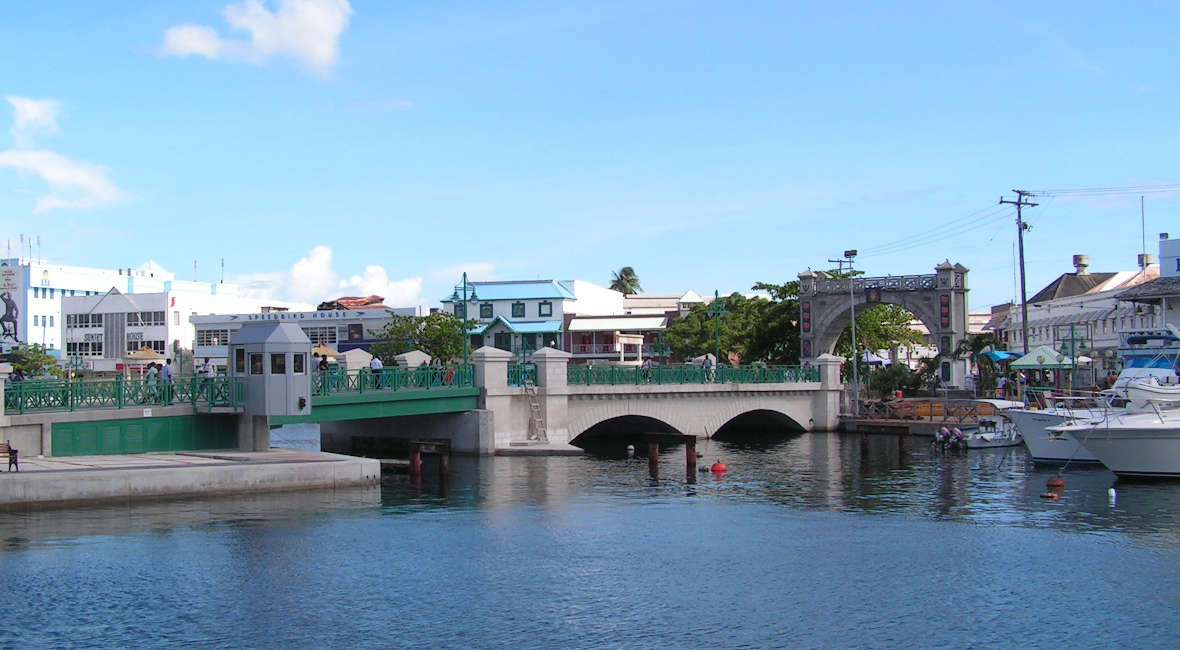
(690, 458)
(653, 458)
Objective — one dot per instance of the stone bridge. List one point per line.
(698, 409)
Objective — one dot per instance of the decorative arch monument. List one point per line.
(938, 300)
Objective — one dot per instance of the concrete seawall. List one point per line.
(51, 482)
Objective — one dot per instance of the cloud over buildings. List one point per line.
(72, 183)
(313, 279)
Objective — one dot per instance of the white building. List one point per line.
(33, 295)
(1082, 311)
(339, 329)
(1161, 295)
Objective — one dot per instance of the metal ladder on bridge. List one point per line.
(536, 422)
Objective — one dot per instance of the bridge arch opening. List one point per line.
(610, 438)
(758, 424)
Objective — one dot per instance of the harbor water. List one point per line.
(813, 541)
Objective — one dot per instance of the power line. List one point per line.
(979, 219)
(1103, 191)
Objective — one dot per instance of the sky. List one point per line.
(335, 147)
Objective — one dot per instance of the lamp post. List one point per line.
(660, 348)
(849, 255)
(463, 294)
(716, 310)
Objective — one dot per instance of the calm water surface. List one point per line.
(820, 540)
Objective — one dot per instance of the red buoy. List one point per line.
(719, 467)
(1055, 483)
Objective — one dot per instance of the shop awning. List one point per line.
(647, 323)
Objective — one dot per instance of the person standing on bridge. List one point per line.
(166, 378)
(376, 366)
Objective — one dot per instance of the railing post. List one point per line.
(5, 370)
(120, 394)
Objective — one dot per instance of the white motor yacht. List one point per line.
(1131, 443)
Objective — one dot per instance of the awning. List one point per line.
(1000, 355)
(522, 327)
(1042, 358)
(646, 323)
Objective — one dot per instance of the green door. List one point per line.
(503, 340)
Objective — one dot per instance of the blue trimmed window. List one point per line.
(485, 310)
(518, 310)
(545, 308)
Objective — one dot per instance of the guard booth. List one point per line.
(272, 360)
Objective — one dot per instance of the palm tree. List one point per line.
(625, 281)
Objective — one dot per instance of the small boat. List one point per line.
(1132, 444)
(993, 431)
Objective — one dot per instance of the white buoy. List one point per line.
(1112, 495)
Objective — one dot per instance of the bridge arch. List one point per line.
(759, 421)
(938, 300)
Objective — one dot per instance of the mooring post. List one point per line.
(653, 458)
(415, 461)
(690, 458)
(444, 465)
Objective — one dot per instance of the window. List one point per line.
(71, 293)
(51, 320)
(212, 337)
(461, 311)
(240, 361)
(69, 320)
(297, 363)
(356, 332)
(485, 310)
(518, 310)
(325, 335)
(476, 341)
(36, 292)
(35, 321)
(51, 292)
(256, 364)
(278, 364)
(545, 308)
(175, 318)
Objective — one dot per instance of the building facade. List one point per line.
(39, 296)
(339, 329)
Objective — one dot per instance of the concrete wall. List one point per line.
(48, 488)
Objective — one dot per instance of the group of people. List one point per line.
(158, 383)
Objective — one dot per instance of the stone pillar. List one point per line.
(491, 367)
(253, 432)
(825, 405)
(553, 386)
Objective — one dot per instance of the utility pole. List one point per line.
(1021, 226)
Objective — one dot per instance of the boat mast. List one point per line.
(1021, 226)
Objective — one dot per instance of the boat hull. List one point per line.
(1136, 452)
(1046, 448)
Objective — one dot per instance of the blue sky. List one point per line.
(323, 147)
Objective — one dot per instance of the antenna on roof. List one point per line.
(223, 270)
(194, 270)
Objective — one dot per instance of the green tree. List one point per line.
(972, 348)
(625, 281)
(440, 335)
(32, 361)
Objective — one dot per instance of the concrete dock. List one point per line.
(75, 480)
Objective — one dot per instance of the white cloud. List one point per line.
(312, 279)
(30, 116)
(305, 30)
(73, 184)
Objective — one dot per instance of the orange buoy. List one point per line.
(719, 467)
(1055, 482)
(1050, 495)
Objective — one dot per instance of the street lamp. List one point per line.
(849, 255)
(463, 294)
(716, 310)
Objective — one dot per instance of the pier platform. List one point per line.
(79, 480)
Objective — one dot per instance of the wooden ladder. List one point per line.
(536, 421)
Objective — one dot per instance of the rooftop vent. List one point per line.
(1146, 260)
(1080, 262)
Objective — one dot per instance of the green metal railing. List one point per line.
(615, 375)
(118, 392)
(519, 373)
(393, 378)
